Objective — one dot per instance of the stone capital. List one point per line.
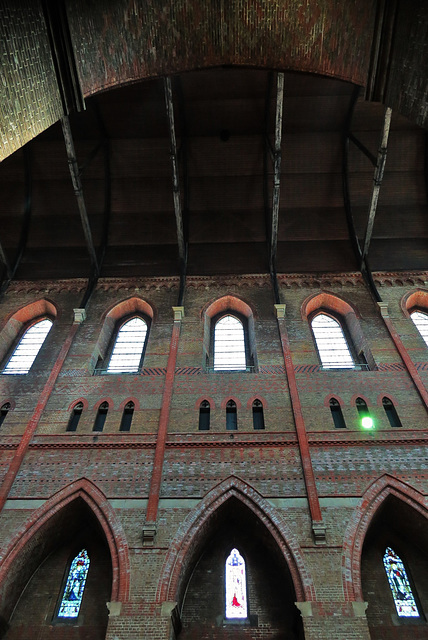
(178, 313)
(79, 315)
(280, 310)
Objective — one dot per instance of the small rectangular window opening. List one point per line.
(204, 416)
(258, 416)
(231, 416)
(128, 412)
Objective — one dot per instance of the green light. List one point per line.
(367, 422)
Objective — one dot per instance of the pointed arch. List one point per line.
(106, 516)
(197, 523)
(363, 515)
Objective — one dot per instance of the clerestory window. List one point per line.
(229, 345)
(231, 416)
(127, 415)
(101, 417)
(336, 414)
(236, 586)
(204, 415)
(75, 417)
(421, 321)
(128, 349)
(28, 347)
(399, 584)
(391, 412)
(258, 416)
(74, 587)
(331, 343)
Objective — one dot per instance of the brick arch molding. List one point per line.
(198, 521)
(357, 528)
(107, 518)
(328, 302)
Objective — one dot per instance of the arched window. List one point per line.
(401, 590)
(128, 349)
(229, 345)
(75, 417)
(74, 587)
(4, 410)
(236, 586)
(336, 413)
(101, 417)
(28, 347)
(331, 343)
(258, 417)
(391, 412)
(204, 416)
(421, 321)
(231, 416)
(128, 412)
(362, 407)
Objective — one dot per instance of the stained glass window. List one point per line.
(331, 342)
(400, 586)
(73, 592)
(229, 345)
(421, 321)
(236, 586)
(28, 348)
(128, 348)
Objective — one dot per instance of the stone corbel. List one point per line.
(149, 533)
(383, 307)
(79, 315)
(280, 310)
(178, 313)
(114, 609)
(318, 531)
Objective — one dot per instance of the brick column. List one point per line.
(318, 527)
(15, 465)
(149, 529)
(408, 362)
(334, 620)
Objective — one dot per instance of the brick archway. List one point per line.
(98, 503)
(357, 528)
(197, 523)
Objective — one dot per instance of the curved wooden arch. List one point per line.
(357, 528)
(106, 516)
(197, 522)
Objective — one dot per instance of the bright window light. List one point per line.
(404, 599)
(73, 592)
(128, 348)
(229, 345)
(331, 342)
(421, 321)
(236, 586)
(28, 348)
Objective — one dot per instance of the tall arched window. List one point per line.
(421, 321)
(75, 417)
(236, 586)
(74, 587)
(101, 417)
(258, 416)
(204, 416)
(127, 415)
(128, 349)
(331, 343)
(231, 416)
(336, 414)
(229, 345)
(391, 412)
(28, 347)
(399, 584)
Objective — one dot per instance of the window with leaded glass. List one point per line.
(331, 343)
(128, 349)
(74, 587)
(421, 321)
(399, 584)
(236, 586)
(229, 345)
(28, 347)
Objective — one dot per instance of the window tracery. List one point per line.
(236, 586)
(399, 584)
(75, 586)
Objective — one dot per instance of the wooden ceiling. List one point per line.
(220, 118)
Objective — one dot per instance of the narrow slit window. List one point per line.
(74, 587)
(258, 416)
(391, 413)
(28, 347)
(399, 584)
(337, 415)
(204, 416)
(75, 417)
(101, 417)
(421, 321)
(3, 412)
(128, 348)
(236, 586)
(127, 415)
(229, 345)
(331, 343)
(231, 416)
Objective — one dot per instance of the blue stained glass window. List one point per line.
(400, 585)
(236, 586)
(73, 592)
